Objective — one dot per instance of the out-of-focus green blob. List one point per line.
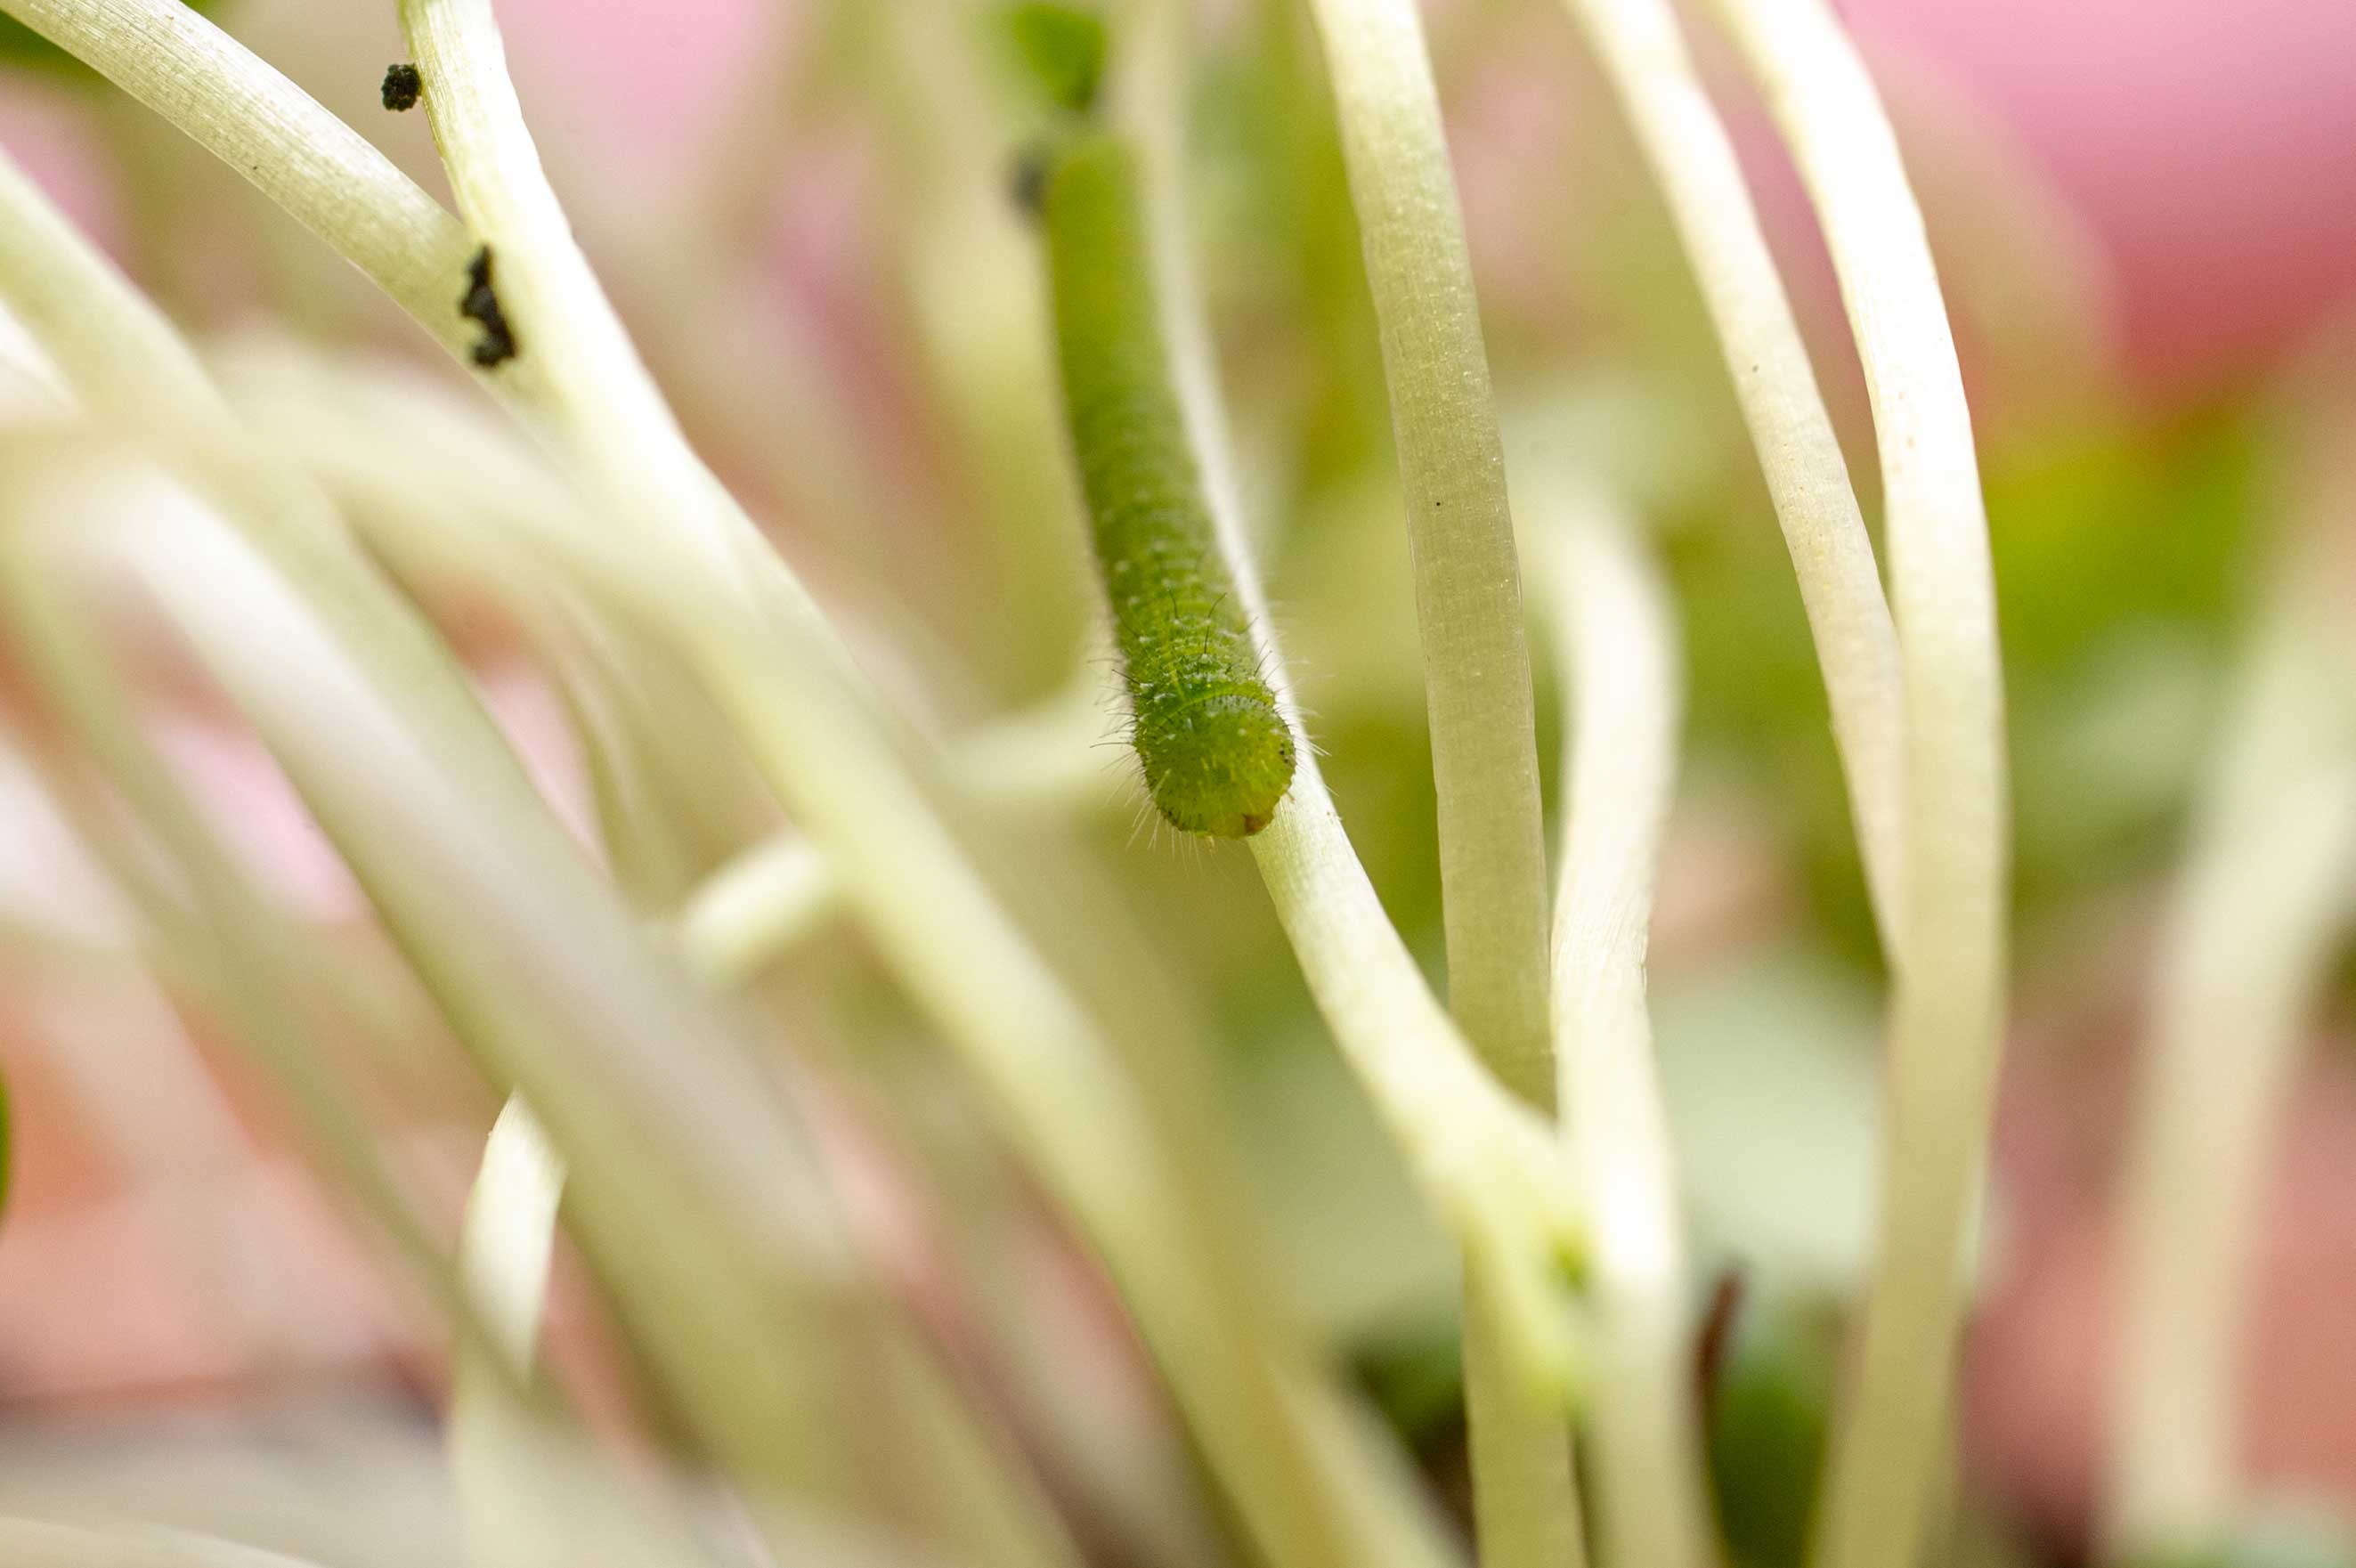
(1767, 1424)
(1418, 1383)
(1060, 48)
(20, 47)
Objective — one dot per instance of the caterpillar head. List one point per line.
(1219, 766)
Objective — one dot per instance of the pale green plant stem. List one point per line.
(1644, 56)
(124, 361)
(904, 871)
(505, 1242)
(781, 890)
(304, 158)
(529, 951)
(593, 387)
(1477, 695)
(375, 683)
(34, 1543)
(116, 354)
(1373, 998)
(2256, 916)
(237, 950)
(1610, 615)
(1264, 1418)
(1946, 1026)
(530, 1493)
(1460, 532)
(1085, 1129)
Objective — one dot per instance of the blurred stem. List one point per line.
(376, 728)
(1603, 595)
(125, 362)
(35, 1543)
(1084, 1127)
(1460, 534)
(781, 890)
(781, 673)
(2255, 920)
(504, 1244)
(486, 899)
(1946, 1026)
(746, 1298)
(1644, 56)
(245, 955)
(119, 355)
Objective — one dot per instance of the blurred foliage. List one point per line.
(1768, 1417)
(1059, 50)
(2286, 1536)
(2123, 562)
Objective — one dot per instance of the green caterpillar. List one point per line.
(1218, 754)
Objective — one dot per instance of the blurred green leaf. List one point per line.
(1060, 48)
(1768, 1418)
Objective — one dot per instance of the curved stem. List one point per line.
(2255, 918)
(1611, 612)
(497, 912)
(1480, 1157)
(1947, 1011)
(590, 382)
(324, 174)
(1644, 56)
(36, 1543)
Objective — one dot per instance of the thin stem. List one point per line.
(119, 355)
(537, 963)
(829, 760)
(1644, 56)
(377, 730)
(309, 162)
(244, 956)
(508, 1507)
(1947, 1011)
(781, 890)
(1460, 533)
(125, 362)
(1611, 613)
(36, 1543)
(506, 1238)
(2255, 920)
(1269, 1424)
(592, 386)
(1468, 1142)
